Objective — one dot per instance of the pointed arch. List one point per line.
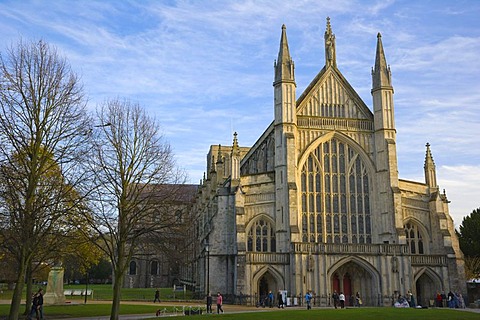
(353, 274)
(343, 138)
(263, 216)
(336, 186)
(260, 234)
(267, 270)
(427, 283)
(361, 262)
(432, 274)
(417, 236)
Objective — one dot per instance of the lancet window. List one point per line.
(261, 237)
(132, 269)
(335, 195)
(154, 268)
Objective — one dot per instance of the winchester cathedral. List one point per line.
(316, 204)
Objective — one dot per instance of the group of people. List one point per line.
(269, 300)
(407, 301)
(450, 300)
(37, 305)
(339, 299)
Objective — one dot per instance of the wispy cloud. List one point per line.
(205, 68)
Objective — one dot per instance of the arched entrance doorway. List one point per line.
(266, 283)
(350, 278)
(426, 286)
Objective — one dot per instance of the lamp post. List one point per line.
(86, 286)
(207, 250)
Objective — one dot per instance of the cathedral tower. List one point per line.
(385, 149)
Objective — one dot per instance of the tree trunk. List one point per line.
(28, 294)
(118, 270)
(117, 287)
(17, 294)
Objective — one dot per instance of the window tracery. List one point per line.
(414, 238)
(261, 237)
(335, 195)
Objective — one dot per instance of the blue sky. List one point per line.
(205, 68)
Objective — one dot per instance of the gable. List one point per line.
(330, 95)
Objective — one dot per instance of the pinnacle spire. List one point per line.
(219, 154)
(330, 49)
(235, 142)
(381, 74)
(235, 164)
(429, 167)
(284, 66)
(213, 168)
(428, 156)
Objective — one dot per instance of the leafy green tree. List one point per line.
(102, 271)
(469, 239)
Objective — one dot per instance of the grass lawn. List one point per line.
(82, 310)
(353, 314)
(93, 310)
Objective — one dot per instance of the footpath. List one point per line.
(228, 309)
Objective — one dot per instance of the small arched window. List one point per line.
(414, 238)
(261, 237)
(154, 268)
(132, 270)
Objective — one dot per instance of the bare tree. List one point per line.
(137, 178)
(43, 122)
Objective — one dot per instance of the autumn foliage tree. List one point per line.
(43, 122)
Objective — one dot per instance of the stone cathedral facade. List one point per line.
(317, 204)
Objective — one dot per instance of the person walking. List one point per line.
(308, 300)
(358, 300)
(219, 302)
(209, 303)
(270, 299)
(335, 299)
(341, 298)
(157, 296)
(281, 304)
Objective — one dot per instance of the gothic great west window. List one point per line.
(335, 195)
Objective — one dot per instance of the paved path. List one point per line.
(227, 308)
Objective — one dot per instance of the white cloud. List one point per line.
(205, 68)
(462, 188)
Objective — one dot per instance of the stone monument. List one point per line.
(54, 293)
